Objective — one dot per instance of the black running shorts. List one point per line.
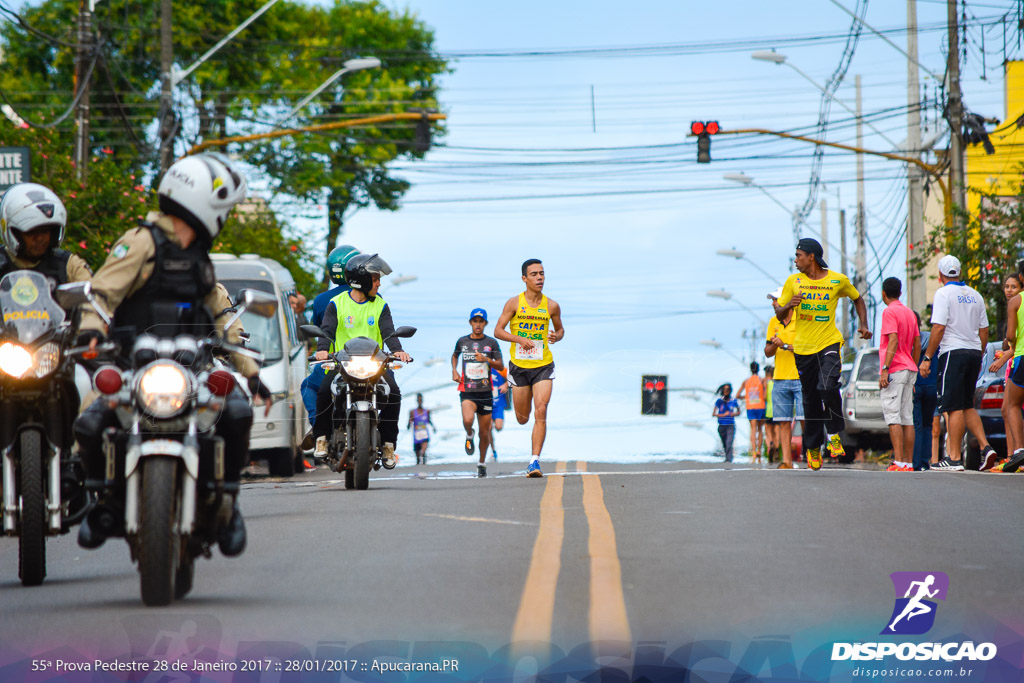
(484, 402)
(527, 377)
(957, 376)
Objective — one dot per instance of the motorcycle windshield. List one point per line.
(361, 346)
(27, 305)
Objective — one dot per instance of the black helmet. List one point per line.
(360, 269)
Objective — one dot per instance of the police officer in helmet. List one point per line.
(32, 218)
(159, 280)
(366, 314)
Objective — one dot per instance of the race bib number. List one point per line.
(535, 353)
(477, 371)
(420, 434)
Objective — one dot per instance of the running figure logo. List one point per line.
(914, 612)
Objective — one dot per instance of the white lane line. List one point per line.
(463, 518)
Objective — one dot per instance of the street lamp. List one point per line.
(739, 255)
(349, 66)
(717, 345)
(744, 179)
(776, 58)
(727, 296)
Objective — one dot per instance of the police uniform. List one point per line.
(347, 319)
(152, 284)
(59, 265)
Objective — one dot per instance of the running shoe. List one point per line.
(321, 447)
(481, 471)
(893, 468)
(533, 469)
(988, 459)
(1014, 463)
(814, 458)
(308, 466)
(390, 458)
(998, 467)
(949, 465)
(469, 443)
(784, 466)
(495, 454)
(835, 446)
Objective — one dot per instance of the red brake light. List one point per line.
(711, 127)
(220, 383)
(993, 397)
(697, 127)
(107, 380)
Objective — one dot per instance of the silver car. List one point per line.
(862, 403)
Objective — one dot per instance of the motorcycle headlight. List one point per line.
(163, 389)
(15, 360)
(46, 358)
(361, 367)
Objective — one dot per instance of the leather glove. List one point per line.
(85, 338)
(258, 388)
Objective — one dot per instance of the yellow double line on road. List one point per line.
(607, 613)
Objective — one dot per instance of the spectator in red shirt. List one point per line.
(900, 345)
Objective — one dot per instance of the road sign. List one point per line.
(14, 167)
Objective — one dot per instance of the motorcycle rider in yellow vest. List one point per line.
(360, 312)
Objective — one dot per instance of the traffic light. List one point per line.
(654, 395)
(704, 130)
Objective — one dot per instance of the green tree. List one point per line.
(248, 84)
(989, 245)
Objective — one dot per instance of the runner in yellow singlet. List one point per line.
(535, 322)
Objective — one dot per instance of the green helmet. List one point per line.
(336, 261)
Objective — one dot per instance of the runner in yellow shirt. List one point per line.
(535, 322)
(812, 296)
(787, 398)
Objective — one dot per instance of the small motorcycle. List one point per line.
(43, 491)
(354, 446)
(164, 488)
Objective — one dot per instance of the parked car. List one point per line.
(988, 401)
(277, 437)
(862, 404)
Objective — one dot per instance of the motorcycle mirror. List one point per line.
(75, 294)
(312, 332)
(260, 303)
(403, 332)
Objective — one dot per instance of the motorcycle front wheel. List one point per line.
(32, 537)
(158, 540)
(363, 451)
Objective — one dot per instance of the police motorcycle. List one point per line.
(164, 464)
(355, 446)
(43, 484)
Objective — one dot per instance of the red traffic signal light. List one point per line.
(697, 127)
(711, 127)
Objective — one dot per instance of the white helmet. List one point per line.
(27, 206)
(201, 190)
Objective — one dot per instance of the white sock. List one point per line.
(535, 458)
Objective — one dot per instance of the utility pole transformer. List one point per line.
(916, 290)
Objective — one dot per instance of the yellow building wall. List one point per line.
(999, 173)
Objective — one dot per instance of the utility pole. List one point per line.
(861, 280)
(83, 56)
(916, 292)
(824, 229)
(167, 127)
(955, 107)
(842, 245)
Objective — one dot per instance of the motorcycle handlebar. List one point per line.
(84, 352)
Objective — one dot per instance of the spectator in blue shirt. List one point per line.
(925, 399)
(726, 410)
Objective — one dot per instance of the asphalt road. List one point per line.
(644, 552)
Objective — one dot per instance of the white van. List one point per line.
(277, 437)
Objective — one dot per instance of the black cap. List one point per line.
(812, 246)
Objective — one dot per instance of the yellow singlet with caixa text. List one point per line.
(532, 323)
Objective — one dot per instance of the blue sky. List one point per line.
(631, 263)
